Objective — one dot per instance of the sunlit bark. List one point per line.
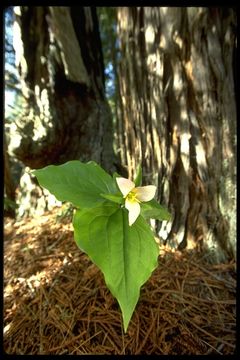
(59, 59)
(179, 117)
(64, 112)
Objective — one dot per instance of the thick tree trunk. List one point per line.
(66, 115)
(64, 112)
(178, 118)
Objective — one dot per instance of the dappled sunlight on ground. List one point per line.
(56, 300)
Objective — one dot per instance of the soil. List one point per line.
(56, 300)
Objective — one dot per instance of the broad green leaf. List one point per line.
(115, 175)
(126, 255)
(153, 210)
(138, 178)
(76, 182)
(114, 198)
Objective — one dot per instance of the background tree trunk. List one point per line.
(9, 187)
(66, 115)
(177, 116)
(64, 112)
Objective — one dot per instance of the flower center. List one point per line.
(132, 197)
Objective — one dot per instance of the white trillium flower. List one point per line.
(134, 196)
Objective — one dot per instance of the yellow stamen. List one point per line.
(132, 197)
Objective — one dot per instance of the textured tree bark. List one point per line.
(178, 118)
(65, 113)
(9, 187)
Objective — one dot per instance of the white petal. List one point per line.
(125, 185)
(133, 211)
(145, 193)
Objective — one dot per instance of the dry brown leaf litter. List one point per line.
(56, 301)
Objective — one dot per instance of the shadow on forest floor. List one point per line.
(56, 301)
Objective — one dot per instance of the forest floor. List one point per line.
(56, 300)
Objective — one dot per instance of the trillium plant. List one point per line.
(111, 224)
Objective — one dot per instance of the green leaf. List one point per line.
(115, 175)
(126, 255)
(138, 178)
(153, 210)
(114, 198)
(76, 182)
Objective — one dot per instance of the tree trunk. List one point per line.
(65, 112)
(9, 187)
(178, 118)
